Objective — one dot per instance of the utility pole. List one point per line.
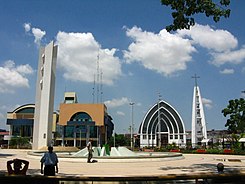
(132, 123)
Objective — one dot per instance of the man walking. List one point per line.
(90, 150)
(50, 162)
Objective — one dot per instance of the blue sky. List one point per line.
(138, 59)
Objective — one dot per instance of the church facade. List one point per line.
(162, 125)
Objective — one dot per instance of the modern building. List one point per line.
(44, 103)
(79, 122)
(3, 141)
(21, 121)
(199, 130)
(162, 125)
(73, 126)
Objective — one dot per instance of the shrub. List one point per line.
(214, 151)
(20, 142)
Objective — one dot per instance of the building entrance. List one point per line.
(164, 139)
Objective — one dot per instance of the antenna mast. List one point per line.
(101, 86)
(98, 77)
(93, 89)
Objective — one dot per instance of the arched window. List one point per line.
(81, 116)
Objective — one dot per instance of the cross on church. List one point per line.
(195, 77)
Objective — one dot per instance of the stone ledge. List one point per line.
(238, 177)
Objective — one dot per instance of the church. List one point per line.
(162, 125)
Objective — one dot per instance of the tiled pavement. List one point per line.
(194, 164)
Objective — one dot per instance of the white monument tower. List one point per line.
(44, 104)
(199, 130)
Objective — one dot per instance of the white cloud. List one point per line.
(117, 102)
(25, 69)
(243, 95)
(207, 103)
(27, 27)
(220, 43)
(232, 57)
(38, 34)
(2, 116)
(217, 40)
(164, 53)
(138, 104)
(120, 113)
(12, 77)
(77, 56)
(227, 71)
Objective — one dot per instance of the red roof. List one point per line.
(4, 133)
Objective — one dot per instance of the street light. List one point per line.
(159, 121)
(132, 123)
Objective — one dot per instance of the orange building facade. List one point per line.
(96, 111)
(80, 122)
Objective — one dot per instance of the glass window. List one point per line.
(26, 110)
(42, 71)
(81, 116)
(41, 84)
(69, 131)
(26, 131)
(93, 131)
(43, 58)
(16, 130)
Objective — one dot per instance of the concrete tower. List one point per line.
(45, 87)
(199, 130)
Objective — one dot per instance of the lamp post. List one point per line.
(159, 121)
(80, 131)
(114, 138)
(132, 123)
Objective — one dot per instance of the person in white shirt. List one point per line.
(50, 162)
(90, 150)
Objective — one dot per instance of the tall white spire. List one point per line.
(44, 104)
(199, 130)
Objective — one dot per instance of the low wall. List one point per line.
(211, 177)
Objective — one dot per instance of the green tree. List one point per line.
(236, 113)
(184, 11)
(120, 140)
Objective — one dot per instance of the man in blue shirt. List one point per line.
(50, 162)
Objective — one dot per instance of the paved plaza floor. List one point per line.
(78, 167)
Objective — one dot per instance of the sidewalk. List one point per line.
(78, 167)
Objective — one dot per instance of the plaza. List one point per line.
(188, 167)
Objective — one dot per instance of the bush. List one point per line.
(20, 142)
(239, 151)
(214, 151)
